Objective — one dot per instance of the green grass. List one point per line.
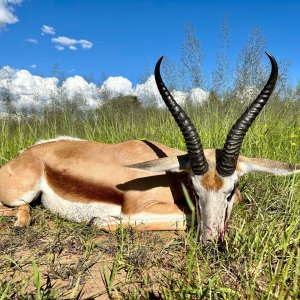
(57, 259)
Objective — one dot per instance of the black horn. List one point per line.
(226, 164)
(197, 159)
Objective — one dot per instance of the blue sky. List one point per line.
(124, 38)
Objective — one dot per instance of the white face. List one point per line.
(215, 197)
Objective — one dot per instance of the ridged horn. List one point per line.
(197, 159)
(226, 164)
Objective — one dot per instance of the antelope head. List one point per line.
(215, 177)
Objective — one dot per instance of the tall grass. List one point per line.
(262, 260)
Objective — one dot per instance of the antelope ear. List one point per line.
(260, 165)
(170, 164)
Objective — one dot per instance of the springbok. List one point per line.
(138, 182)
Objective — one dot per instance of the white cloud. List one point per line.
(179, 96)
(7, 15)
(33, 66)
(116, 86)
(72, 47)
(63, 41)
(13, 2)
(28, 89)
(148, 93)
(85, 44)
(47, 30)
(78, 86)
(31, 41)
(197, 95)
(59, 48)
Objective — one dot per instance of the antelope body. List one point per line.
(137, 182)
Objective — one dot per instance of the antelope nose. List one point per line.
(210, 234)
(222, 245)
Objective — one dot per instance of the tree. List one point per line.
(297, 91)
(221, 76)
(250, 73)
(283, 89)
(7, 98)
(122, 104)
(191, 59)
(187, 73)
(59, 74)
(7, 101)
(144, 75)
(171, 73)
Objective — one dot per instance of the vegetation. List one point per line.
(57, 259)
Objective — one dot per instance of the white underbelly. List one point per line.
(76, 211)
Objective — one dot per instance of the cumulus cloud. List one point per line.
(148, 93)
(27, 89)
(77, 86)
(30, 90)
(59, 48)
(180, 96)
(63, 42)
(85, 44)
(31, 41)
(197, 95)
(47, 30)
(7, 15)
(116, 86)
